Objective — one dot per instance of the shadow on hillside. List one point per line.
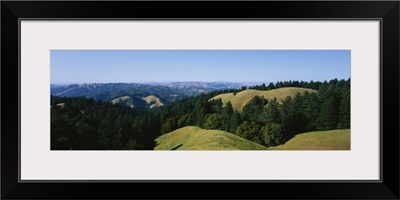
(176, 147)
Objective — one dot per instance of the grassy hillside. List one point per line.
(242, 98)
(318, 140)
(195, 138)
(153, 101)
(126, 100)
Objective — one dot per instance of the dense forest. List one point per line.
(83, 124)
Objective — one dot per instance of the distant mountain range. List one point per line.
(134, 94)
(200, 85)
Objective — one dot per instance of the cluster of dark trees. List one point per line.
(88, 124)
(83, 123)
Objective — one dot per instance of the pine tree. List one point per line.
(186, 120)
(271, 86)
(312, 107)
(249, 131)
(253, 109)
(169, 125)
(227, 115)
(329, 115)
(214, 122)
(235, 121)
(272, 134)
(271, 113)
(344, 119)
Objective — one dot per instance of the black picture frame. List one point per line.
(386, 11)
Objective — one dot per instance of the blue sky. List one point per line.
(141, 66)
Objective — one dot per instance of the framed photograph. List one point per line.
(297, 97)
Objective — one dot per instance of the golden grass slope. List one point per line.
(153, 100)
(122, 99)
(195, 138)
(318, 140)
(242, 98)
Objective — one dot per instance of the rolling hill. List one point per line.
(125, 100)
(153, 101)
(150, 101)
(195, 138)
(318, 140)
(242, 98)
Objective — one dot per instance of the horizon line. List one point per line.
(149, 82)
(144, 82)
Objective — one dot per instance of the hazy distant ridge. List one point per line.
(167, 92)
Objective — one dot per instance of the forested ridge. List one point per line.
(84, 123)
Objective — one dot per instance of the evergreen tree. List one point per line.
(227, 116)
(329, 115)
(213, 122)
(263, 87)
(272, 134)
(169, 125)
(249, 131)
(271, 113)
(312, 106)
(344, 120)
(253, 109)
(235, 121)
(216, 105)
(271, 86)
(201, 108)
(186, 120)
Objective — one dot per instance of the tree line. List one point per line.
(88, 124)
(279, 84)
